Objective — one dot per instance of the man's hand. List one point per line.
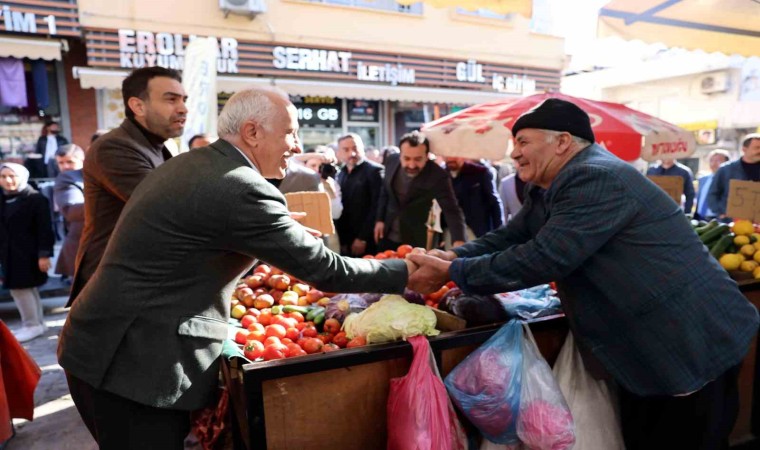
(442, 254)
(410, 267)
(457, 244)
(358, 247)
(431, 274)
(43, 264)
(379, 231)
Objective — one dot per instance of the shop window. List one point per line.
(485, 13)
(384, 5)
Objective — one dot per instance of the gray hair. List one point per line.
(552, 134)
(357, 139)
(70, 149)
(254, 103)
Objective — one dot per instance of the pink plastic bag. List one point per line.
(419, 415)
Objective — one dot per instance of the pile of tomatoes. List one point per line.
(399, 253)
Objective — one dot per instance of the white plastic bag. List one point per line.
(545, 422)
(597, 420)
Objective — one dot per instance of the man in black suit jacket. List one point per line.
(413, 181)
(49, 143)
(360, 183)
(476, 194)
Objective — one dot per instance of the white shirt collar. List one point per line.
(250, 163)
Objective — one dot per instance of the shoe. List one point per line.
(26, 334)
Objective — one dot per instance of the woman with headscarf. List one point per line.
(26, 245)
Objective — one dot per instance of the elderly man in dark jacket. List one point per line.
(659, 316)
(476, 193)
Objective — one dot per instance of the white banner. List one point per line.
(199, 81)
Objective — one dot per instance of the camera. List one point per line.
(327, 170)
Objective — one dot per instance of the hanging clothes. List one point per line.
(40, 83)
(12, 83)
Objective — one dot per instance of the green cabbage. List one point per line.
(390, 319)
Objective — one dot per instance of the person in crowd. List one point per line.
(49, 143)
(387, 151)
(68, 194)
(512, 191)
(154, 103)
(411, 184)
(746, 168)
(298, 178)
(375, 154)
(476, 195)
(187, 234)
(198, 141)
(96, 135)
(360, 182)
(671, 167)
(674, 343)
(715, 158)
(321, 160)
(26, 246)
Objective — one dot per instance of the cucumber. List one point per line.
(710, 225)
(723, 244)
(320, 318)
(276, 310)
(714, 233)
(315, 312)
(292, 308)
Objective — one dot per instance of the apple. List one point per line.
(301, 289)
(313, 295)
(234, 303)
(280, 282)
(238, 311)
(263, 301)
(254, 281)
(263, 269)
(288, 298)
(246, 297)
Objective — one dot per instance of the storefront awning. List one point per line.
(111, 79)
(727, 26)
(30, 48)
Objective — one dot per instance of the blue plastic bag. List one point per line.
(530, 303)
(486, 386)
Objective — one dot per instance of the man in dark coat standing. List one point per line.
(360, 183)
(476, 193)
(49, 142)
(154, 103)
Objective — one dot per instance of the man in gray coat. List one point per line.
(142, 342)
(154, 103)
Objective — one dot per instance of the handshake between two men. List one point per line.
(428, 271)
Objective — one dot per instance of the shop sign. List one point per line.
(386, 73)
(296, 58)
(145, 49)
(470, 71)
(318, 111)
(514, 84)
(25, 22)
(363, 111)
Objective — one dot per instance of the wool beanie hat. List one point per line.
(557, 115)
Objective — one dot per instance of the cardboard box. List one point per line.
(672, 185)
(317, 207)
(743, 200)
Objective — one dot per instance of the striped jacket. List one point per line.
(645, 298)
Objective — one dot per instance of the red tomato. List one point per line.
(256, 327)
(381, 256)
(286, 341)
(247, 320)
(265, 318)
(389, 254)
(340, 339)
(331, 326)
(300, 326)
(293, 350)
(256, 335)
(279, 320)
(309, 332)
(253, 350)
(313, 345)
(295, 315)
(451, 285)
(292, 334)
(253, 312)
(273, 352)
(278, 331)
(330, 348)
(368, 257)
(298, 352)
(272, 340)
(403, 250)
(240, 337)
(325, 337)
(302, 341)
(358, 341)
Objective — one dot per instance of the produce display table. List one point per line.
(747, 429)
(338, 399)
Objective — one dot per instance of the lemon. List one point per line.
(757, 256)
(744, 227)
(747, 250)
(756, 273)
(748, 266)
(741, 240)
(757, 245)
(731, 261)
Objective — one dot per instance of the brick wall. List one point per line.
(82, 102)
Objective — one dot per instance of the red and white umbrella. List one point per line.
(484, 131)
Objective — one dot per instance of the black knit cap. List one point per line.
(558, 115)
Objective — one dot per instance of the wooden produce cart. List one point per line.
(746, 432)
(338, 399)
